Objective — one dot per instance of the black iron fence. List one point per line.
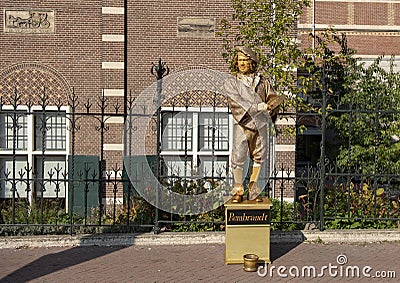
(56, 176)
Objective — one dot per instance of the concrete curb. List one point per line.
(150, 239)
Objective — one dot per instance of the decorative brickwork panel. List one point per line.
(197, 99)
(196, 27)
(331, 13)
(283, 138)
(396, 14)
(28, 21)
(285, 159)
(371, 14)
(372, 43)
(285, 189)
(195, 87)
(30, 82)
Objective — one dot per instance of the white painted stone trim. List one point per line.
(362, 1)
(381, 28)
(285, 147)
(110, 201)
(286, 121)
(192, 238)
(112, 174)
(373, 57)
(113, 65)
(113, 37)
(113, 10)
(113, 146)
(284, 174)
(289, 200)
(113, 120)
(113, 92)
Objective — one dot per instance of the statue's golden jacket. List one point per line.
(243, 101)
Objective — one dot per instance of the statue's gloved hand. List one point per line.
(273, 112)
(263, 107)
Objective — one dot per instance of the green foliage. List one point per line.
(284, 212)
(209, 221)
(267, 28)
(363, 104)
(50, 212)
(369, 118)
(327, 67)
(354, 207)
(136, 211)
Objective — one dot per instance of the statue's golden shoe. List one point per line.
(254, 194)
(237, 198)
(237, 193)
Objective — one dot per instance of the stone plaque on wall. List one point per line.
(196, 27)
(29, 21)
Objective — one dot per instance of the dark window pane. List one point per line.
(177, 131)
(213, 131)
(10, 130)
(52, 126)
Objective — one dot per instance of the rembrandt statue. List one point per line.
(254, 106)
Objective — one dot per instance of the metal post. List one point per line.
(102, 166)
(125, 58)
(71, 187)
(159, 71)
(322, 146)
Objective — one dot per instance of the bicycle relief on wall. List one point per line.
(29, 21)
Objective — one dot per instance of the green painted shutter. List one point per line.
(86, 175)
(135, 162)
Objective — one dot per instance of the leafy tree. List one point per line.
(362, 104)
(366, 118)
(268, 28)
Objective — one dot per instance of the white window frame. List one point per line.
(195, 154)
(31, 154)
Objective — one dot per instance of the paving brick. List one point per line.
(187, 263)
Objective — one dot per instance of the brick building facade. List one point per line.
(78, 48)
(371, 27)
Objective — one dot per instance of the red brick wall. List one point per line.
(153, 34)
(396, 8)
(74, 50)
(377, 39)
(326, 12)
(377, 45)
(370, 14)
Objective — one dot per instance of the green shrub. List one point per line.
(359, 206)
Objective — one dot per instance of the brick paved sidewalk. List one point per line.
(192, 263)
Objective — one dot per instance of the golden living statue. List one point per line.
(254, 106)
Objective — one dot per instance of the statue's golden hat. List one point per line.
(248, 52)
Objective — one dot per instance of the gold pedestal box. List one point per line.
(247, 230)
